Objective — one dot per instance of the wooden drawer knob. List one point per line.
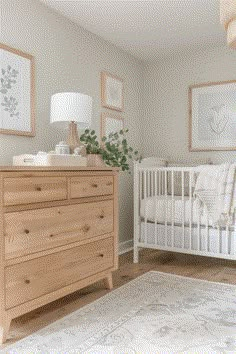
(101, 216)
(26, 231)
(38, 189)
(101, 255)
(94, 185)
(86, 228)
(27, 281)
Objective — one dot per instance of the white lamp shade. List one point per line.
(71, 107)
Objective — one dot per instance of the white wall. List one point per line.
(68, 58)
(166, 101)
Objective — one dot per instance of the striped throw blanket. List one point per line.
(214, 190)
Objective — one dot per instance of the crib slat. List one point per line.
(207, 233)
(159, 182)
(145, 206)
(155, 208)
(183, 206)
(191, 210)
(227, 240)
(219, 240)
(151, 184)
(172, 208)
(199, 233)
(139, 205)
(166, 206)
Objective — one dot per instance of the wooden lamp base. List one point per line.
(73, 138)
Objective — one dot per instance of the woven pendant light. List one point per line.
(228, 20)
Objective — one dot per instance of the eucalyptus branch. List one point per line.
(115, 150)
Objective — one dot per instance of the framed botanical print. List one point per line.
(112, 92)
(212, 116)
(111, 123)
(17, 114)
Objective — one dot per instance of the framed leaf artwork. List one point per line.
(111, 123)
(112, 92)
(16, 92)
(212, 116)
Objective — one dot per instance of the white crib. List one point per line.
(166, 215)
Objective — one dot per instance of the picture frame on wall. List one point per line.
(212, 116)
(111, 123)
(17, 92)
(112, 91)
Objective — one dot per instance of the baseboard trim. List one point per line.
(125, 246)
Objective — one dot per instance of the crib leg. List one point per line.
(136, 254)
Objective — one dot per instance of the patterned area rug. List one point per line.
(155, 313)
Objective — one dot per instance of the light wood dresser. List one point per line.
(59, 233)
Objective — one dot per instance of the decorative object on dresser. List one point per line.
(111, 123)
(114, 149)
(49, 159)
(112, 91)
(62, 148)
(228, 20)
(212, 115)
(72, 107)
(93, 149)
(59, 233)
(16, 92)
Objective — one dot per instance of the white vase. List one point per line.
(95, 160)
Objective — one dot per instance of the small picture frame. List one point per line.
(212, 116)
(112, 92)
(111, 123)
(17, 92)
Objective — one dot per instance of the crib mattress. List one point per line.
(162, 208)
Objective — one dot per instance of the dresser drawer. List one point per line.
(91, 186)
(32, 279)
(36, 230)
(34, 190)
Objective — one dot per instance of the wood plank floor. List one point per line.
(191, 266)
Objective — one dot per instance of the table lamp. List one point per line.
(73, 108)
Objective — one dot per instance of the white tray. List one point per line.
(49, 160)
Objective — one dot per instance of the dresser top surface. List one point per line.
(56, 168)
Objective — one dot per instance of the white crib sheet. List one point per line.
(162, 209)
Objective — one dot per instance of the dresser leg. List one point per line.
(4, 329)
(108, 282)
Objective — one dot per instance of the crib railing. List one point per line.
(194, 234)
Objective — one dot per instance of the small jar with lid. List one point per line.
(62, 148)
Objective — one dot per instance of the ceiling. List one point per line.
(148, 30)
